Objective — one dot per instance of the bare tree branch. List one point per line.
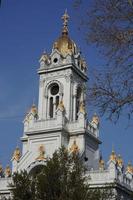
(109, 26)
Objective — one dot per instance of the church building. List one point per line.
(60, 119)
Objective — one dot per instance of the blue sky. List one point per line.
(27, 28)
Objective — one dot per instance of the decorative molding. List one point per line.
(52, 82)
(35, 163)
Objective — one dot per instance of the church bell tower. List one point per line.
(60, 119)
(62, 78)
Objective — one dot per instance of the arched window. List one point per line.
(57, 101)
(36, 170)
(53, 99)
(51, 107)
(78, 100)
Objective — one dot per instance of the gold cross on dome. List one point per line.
(65, 18)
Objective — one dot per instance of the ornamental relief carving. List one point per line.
(67, 78)
(55, 74)
(68, 75)
(58, 74)
(68, 72)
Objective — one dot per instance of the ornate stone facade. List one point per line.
(60, 119)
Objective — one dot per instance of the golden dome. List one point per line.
(129, 168)
(7, 171)
(16, 154)
(119, 160)
(1, 169)
(34, 109)
(64, 44)
(101, 164)
(41, 153)
(113, 156)
(44, 57)
(74, 148)
(61, 105)
(82, 107)
(95, 119)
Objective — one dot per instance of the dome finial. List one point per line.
(65, 19)
(101, 162)
(113, 156)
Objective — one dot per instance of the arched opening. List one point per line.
(57, 101)
(51, 107)
(53, 99)
(78, 100)
(36, 170)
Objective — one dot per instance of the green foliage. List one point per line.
(23, 186)
(62, 178)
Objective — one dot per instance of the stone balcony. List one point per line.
(98, 178)
(4, 187)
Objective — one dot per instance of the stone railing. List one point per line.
(44, 125)
(4, 184)
(102, 177)
(74, 127)
(92, 130)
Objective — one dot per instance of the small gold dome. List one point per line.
(44, 57)
(16, 154)
(129, 168)
(41, 153)
(113, 156)
(61, 105)
(7, 171)
(64, 44)
(34, 110)
(74, 148)
(1, 169)
(101, 164)
(120, 161)
(95, 119)
(82, 107)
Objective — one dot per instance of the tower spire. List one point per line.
(65, 19)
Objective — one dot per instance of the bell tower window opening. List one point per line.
(54, 89)
(51, 107)
(78, 100)
(36, 170)
(57, 101)
(53, 99)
